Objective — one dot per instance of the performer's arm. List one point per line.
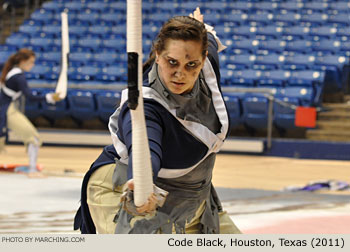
(154, 133)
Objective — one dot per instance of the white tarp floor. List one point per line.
(48, 205)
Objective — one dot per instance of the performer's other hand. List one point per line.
(56, 97)
(53, 97)
(151, 204)
(197, 15)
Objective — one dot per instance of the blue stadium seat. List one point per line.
(212, 18)
(56, 111)
(261, 18)
(299, 46)
(333, 65)
(274, 78)
(273, 45)
(78, 30)
(53, 74)
(42, 15)
(343, 33)
(51, 57)
(325, 46)
(118, 6)
(306, 78)
(88, 16)
(271, 31)
(241, 5)
(266, 6)
(286, 18)
(45, 44)
(314, 19)
(38, 72)
(74, 6)
(97, 6)
(342, 19)
(299, 62)
(107, 102)
(118, 44)
(33, 108)
(345, 48)
(54, 29)
(255, 111)
(245, 30)
(269, 62)
(248, 45)
(53, 6)
(296, 6)
(17, 39)
(284, 116)
(234, 108)
(150, 30)
(226, 76)
(105, 58)
(190, 6)
(119, 30)
(29, 29)
(147, 7)
(168, 6)
(246, 60)
(305, 95)
(301, 32)
(340, 5)
(239, 18)
(116, 18)
(317, 6)
(90, 42)
(80, 58)
(84, 73)
(223, 31)
(113, 73)
(82, 105)
(158, 18)
(217, 6)
(247, 77)
(324, 32)
(4, 55)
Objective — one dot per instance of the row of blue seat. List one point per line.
(221, 6)
(239, 16)
(31, 29)
(248, 109)
(252, 111)
(322, 47)
(118, 44)
(81, 105)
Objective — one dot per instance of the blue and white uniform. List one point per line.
(185, 132)
(15, 85)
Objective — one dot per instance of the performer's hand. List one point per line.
(56, 97)
(197, 15)
(151, 204)
(53, 97)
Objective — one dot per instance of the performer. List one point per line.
(13, 84)
(186, 121)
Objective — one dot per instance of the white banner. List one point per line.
(165, 243)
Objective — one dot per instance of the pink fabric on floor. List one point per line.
(313, 225)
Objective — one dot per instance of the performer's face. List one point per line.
(27, 65)
(179, 65)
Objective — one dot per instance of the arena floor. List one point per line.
(251, 189)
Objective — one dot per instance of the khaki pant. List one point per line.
(104, 204)
(19, 124)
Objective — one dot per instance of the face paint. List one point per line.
(180, 64)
